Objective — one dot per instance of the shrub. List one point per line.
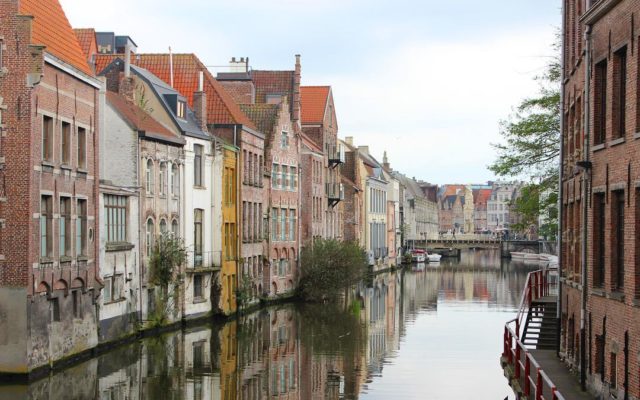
(329, 267)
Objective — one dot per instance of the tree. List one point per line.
(167, 255)
(329, 267)
(531, 148)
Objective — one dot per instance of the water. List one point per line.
(431, 333)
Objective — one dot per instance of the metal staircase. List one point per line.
(541, 325)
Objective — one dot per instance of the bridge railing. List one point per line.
(534, 382)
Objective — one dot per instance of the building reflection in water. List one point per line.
(313, 351)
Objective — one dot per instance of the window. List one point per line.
(292, 225)
(47, 138)
(283, 224)
(285, 177)
(161, 179)
(599, 238)
(274, 176)
(617, 244)
(65, 143)
(46, 226)
(151, 300)
(81, 144)
(115, 208)
(150, 236)
(274, 224)
(245, 233)
(1, 50)
(636, 277)
(149, 177)
(230, 186)
(55, 310)
(175, 180)
(600, 103)
(260, 169)
(77, 303)
(81, 228)
(294, 178)
(197, 165)
(250, 169)
(175, 229)
(620, 92)
(197, 286)
(613, 371)
(256, 170)
(65, 227)
(197, 237)
(284, 140)
(163, 226)
(106, 291)
(181, 109)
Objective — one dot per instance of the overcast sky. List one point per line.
(426, 80)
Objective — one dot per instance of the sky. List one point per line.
(426, 81)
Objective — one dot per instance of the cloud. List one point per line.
(435, 106)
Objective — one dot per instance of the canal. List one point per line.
(433, 332)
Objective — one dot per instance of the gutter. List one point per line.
(560, 187)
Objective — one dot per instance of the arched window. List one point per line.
(175, 180)
(149, 236)
(162, 179)
(149, 176)
(175, 229)
(163, 226)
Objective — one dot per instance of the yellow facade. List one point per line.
(228, 361)
(228, 276)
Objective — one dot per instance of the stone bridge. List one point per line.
(505, 246)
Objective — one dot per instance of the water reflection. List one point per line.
(433, 332)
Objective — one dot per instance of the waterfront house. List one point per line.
(353, 205)
(320, 128)
(49, 188)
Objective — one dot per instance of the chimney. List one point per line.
(295, 118)
(364, 149)
(127, 86)
(349, 140)
(200, 103)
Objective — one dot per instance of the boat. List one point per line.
(418, 256)
(434, 258)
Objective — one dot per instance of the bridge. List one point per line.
(451, 246)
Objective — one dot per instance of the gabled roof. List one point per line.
(481, 196)
(264, 116)
(140, 120)
(306, 140)
(221, 109)
(51, 28)
(314, 103)
(242, 92)
(87, 40)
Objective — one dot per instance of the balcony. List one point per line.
(203, 261)
(335, 193)
(335, 152)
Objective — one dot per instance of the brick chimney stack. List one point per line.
(349, 140)
(127, 85)
(200, 103)
(296, 92)
(385, 162)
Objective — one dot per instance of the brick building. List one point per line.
(600, 331)
(353, 205)
(49, 244)
(320, 129)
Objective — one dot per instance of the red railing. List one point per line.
(534, 382)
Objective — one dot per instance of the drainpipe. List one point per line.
(586, 182)
(560, 188)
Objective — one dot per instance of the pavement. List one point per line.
(566, 383)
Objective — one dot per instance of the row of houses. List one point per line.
(483, 208)
(108, 154)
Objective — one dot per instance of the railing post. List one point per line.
(538, 385)
(530, 292)
(504, 342)
(527, 374)
(518, 328)
(517, 363)
(554, 396)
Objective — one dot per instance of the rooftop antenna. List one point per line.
(170, 67)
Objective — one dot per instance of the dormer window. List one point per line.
(284, 140)
(181, 109)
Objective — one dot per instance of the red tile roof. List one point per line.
(87, 40)
(221, 109)
(481, 196)
(314, 103)
(242, 92)
(51, 28)
(139, 119)
(272, 82)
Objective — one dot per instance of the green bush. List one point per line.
(329, 267)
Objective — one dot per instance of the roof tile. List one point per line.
(51, 28)
(314, 103)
